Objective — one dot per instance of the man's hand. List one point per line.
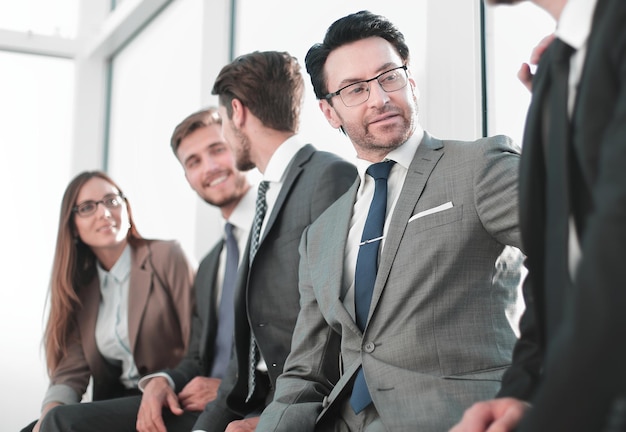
(156, 395)
(496, 415)
(245, 425)
(198, 392)
(524, 74)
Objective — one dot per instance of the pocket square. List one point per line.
(430, 211)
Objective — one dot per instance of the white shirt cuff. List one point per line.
(143, 382)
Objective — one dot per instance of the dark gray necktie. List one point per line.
(558, 184)
(259, 216)
(367, 268)
(226, 317)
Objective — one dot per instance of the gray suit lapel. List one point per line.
(297, 166)
(338, 232)
(327, 241)
(426, 157)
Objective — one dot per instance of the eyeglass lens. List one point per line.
(88, 208)
(359, 92)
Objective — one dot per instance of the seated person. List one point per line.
(103, 270)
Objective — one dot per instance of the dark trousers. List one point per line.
(119, 415)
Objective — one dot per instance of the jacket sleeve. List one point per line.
(496, 189)
(69, 381)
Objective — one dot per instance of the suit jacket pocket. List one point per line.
(434, 220)
(492, 374)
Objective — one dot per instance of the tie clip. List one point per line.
(371, 240)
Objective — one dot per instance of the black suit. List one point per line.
(575, 374)
(267, 297)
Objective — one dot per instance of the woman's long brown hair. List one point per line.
(73, 267)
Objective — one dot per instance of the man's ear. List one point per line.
(330, 113)
(239, 113)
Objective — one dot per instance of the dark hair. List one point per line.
(351, 28)
(268, 83)
(193, 122)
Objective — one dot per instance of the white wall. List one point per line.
(36, 123)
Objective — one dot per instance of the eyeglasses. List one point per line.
(87, 208)
(359, 92)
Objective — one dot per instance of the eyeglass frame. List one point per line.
(404, 67)
(114, 196)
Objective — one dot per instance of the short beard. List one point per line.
(242, 155)
(240, 190)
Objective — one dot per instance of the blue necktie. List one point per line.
(259, 215)
(367, 267)
(226, 317)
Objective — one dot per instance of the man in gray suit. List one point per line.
(260, 96)
(172, 399)
(436, 332)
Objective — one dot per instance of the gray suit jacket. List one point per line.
(438, 337)
(267, 295)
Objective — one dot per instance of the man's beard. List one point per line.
(242, 154)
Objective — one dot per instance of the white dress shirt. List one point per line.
(241, 220)
(402, 156)
(275, 172)
(112, 323)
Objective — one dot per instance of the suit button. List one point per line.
(325, 402)
(369, 347)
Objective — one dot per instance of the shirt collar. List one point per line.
(281, 159)
(120, 270)
(242, 215)
(402, 155)
(574, 25)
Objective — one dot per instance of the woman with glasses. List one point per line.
(120, 305)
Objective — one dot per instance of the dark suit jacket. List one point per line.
(575, 375)
(267, 296)
(199, 358)
(160, 303)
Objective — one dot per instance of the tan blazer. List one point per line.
(159, 321)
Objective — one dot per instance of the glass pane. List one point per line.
(50, 18)
(156, 83)
(508, 99)
(36, 123)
